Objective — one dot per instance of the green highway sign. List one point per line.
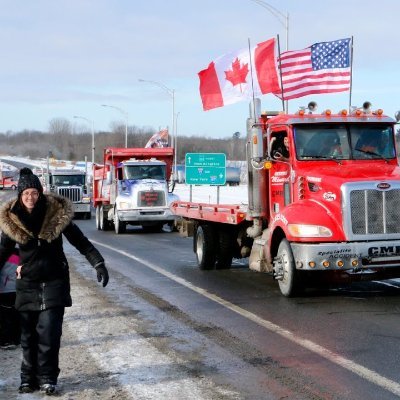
(205, 168)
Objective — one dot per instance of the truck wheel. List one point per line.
(205, 246)
(225, 250)
(119, 226)
(289, 281)
(98, 218)
(104, 224)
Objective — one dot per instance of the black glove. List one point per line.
(102, 274)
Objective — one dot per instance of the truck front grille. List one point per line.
(74, 194)
(151, 198)
(375, 212)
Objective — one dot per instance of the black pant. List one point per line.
(40, 341)
(10, 331)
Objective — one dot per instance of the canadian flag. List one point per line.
(228, 79)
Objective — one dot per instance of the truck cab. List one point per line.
(331, 206)
(131, 187)
(71, 184)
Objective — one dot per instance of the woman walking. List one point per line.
(36, 222)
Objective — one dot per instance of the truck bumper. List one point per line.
(142, 215)
(354, 257)
(81, 207)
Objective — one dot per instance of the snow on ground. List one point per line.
(209, 194)
(200, 193)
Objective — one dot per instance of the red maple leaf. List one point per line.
(238, 73)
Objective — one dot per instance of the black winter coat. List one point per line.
(44, 279)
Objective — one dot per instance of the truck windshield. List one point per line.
(145, 172)
(68, 180)
(344, 142)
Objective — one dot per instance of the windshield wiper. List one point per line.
(370, 153)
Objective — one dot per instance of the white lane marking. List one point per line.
(387, 284)
(363, 372)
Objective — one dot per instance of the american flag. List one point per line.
(321, 68)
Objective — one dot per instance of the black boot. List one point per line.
(48, 388)
(27, 387)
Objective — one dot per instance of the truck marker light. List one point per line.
(379, 111)
(343, 112)
(267, 165)
(325, 263)
(301, 112)
(358, 112)
(340, 263)
(354, 263)
(312, 264)
(327, 112)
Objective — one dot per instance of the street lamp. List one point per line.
(92, 124)
(171, 92)
(176, 143)
(126, 121)
(280, 16)
(283, 19)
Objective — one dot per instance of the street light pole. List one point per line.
(280, 16)
(123, 112)
(283, 19)
(171, 93)
(92, 124)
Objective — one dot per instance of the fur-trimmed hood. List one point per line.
(59, 213)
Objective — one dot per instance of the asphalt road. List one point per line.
(340, 343)
(236, 329)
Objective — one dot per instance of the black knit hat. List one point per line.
(28, 180)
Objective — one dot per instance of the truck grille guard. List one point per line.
(371, 212)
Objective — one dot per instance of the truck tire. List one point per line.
(104, 223)
(225, 249)
(119, 226)
(289, 284)
(98, 218)
(205, 246)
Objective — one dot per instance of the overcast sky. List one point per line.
(68, 57)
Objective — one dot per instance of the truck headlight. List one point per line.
(123, 205)
(85, 199)
(301, 230)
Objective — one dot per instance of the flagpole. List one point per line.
(351, 72)
(252, 82)
(280, 72)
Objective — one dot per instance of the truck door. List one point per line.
(280, 190)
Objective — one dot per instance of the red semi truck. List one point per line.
(328, 211)
(10, 182)
(131, 187)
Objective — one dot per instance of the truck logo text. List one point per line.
(384, 251)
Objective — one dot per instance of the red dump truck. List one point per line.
(328, 210)
(131, 187)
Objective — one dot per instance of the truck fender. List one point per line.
(309, 213)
